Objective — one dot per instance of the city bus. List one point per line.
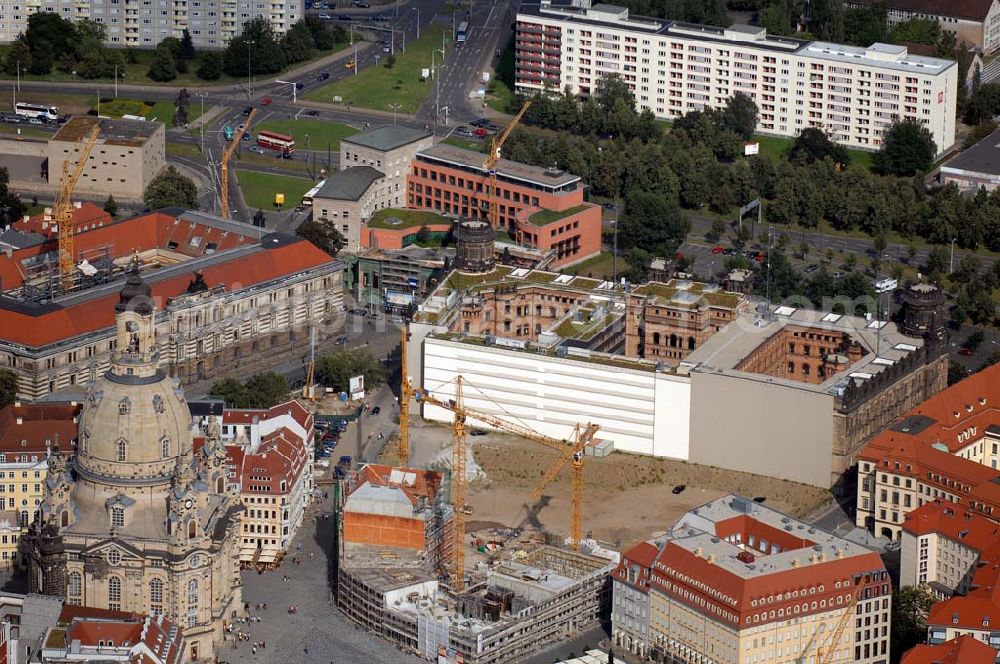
(307, 198)
(28, 110)
(463, 33)
(275, 141)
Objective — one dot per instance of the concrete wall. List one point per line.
(24, 147)
(639, 410)
(761, 427)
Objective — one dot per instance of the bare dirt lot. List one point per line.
(627, 497)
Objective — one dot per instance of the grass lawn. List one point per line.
(600, 266)
(377, 87)
(67, 103)
(135, 73)
(777, 147)
(320, 133)
(544, 217)
(27, 131)
(183, 150)
(271, 161)
(500, 89)
(162, 111)
(409, 218)
(476, 146)
(259, 189)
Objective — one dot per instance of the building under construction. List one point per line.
(511, 607)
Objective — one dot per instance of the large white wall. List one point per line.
(639, 411)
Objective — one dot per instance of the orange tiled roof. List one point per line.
(84, 216)
(425, 484)
(32, 428)
(951, 520)
(961, 650)
(89, 316)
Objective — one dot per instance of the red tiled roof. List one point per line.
(293, 407)
(83, 216)
(951, 520)
(961, 650)
(92, 315)
(32, 428)
(282, 456)
(149, 638)
(425, 483)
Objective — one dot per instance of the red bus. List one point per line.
(273, 141)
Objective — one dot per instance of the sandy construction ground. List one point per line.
(627, 497)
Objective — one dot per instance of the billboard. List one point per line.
(751, 148)
(357, 385)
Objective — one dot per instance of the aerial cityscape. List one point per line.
(497, 332)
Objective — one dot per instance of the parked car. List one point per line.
(246, 136)
(464, 131)
(325, 17)
(35, 121)
(729, 251)
(265, 101)
(491, 127)
(361, 4)
(811, 268)
(323, 75)
(257, 149)
(480, 122)
(313, 113)
(718, 249)
(479, 132)
(345, 17)
(376, 410)
(247, 110)
(386, 49)
(759, 257)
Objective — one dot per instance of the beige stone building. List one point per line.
(976, 22)
(390, 149)
(134, 520)
(127, 155)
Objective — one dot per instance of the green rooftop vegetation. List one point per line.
(546, 217)
(407, 218)
(667, 291)
(585, 330)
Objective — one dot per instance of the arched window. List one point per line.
(118, 516)
(64, 518)
(220, 485)
(74, 588)
(192, 603)
(690, 343)
(656, 338)
(165, 445)
(192, 529)
(791, 367)
(156, 597)
(114, 593)
(122, 450)
(24, 518)
(673, 341)
(805, 369)
(123, 406)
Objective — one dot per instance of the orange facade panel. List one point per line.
(379, 530)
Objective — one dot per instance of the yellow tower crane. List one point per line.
(491, 165)
(826, 655)
(405, 395)
(573, 451)
(226, 155)
(63, 209)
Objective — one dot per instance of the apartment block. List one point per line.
(543, 208)
(852, 93)
(737, 582)
(975, 22)
(144, 23)
(946, 448)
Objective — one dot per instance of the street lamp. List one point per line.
(202, 116)
(417, 9)
(394, 106)
(116, 81)
(951, 263)
(437, 83)
(250, 44)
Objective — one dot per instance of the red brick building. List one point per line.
(541, 208)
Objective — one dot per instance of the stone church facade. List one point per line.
(134, 520)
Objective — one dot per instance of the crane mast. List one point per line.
(63, 209)
(491, 165)
(226, 156)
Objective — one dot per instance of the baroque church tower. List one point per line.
(133, 520)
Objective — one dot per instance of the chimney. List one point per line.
(78, 204)
(20, 420)
(711, 558)
(822, 557)
(26, 217)
(795, 562)
(840, 554)
(698, 552)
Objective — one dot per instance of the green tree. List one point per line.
(390, 61)
(163, 67)
(910, 608)
(8, 387)
(866, 25)
(908, 149)
(323, 234)
(231, 391)
(298, 43)
(210, 68)
(423, 235)
(337, 368)
(850, 262)
(266, 389)
(740, 116)
(937, 262)
(652, 222)
(803, 249)
(187, 51)
(776, 20)
(171, 188)
(11, 207)
(812, 144)
(110, 206)
(918, 30)
(974, 340)
(267, 55)
(717, 230)
(323, 37)
(50, 37)
(18, 58)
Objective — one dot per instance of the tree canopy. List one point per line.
(337, 368)
(907, 149)
(171, 188)
(323, 234)
(8, 387)
(261, 390)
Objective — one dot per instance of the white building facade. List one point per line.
(144, 23)
(852, 93)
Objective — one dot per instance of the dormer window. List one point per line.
(124, 406)
(122, 449)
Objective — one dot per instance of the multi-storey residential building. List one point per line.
(948, 447)
(144, 23)
(28, 434)
(737, 582)
(227, 295)
(975, 22)
(269, 457)
(852, 93)
(542, 207)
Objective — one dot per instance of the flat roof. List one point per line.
(983, 157)
(723, 351)
(113, 132)
(512, 170)
(349, 184)
(387, 138)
